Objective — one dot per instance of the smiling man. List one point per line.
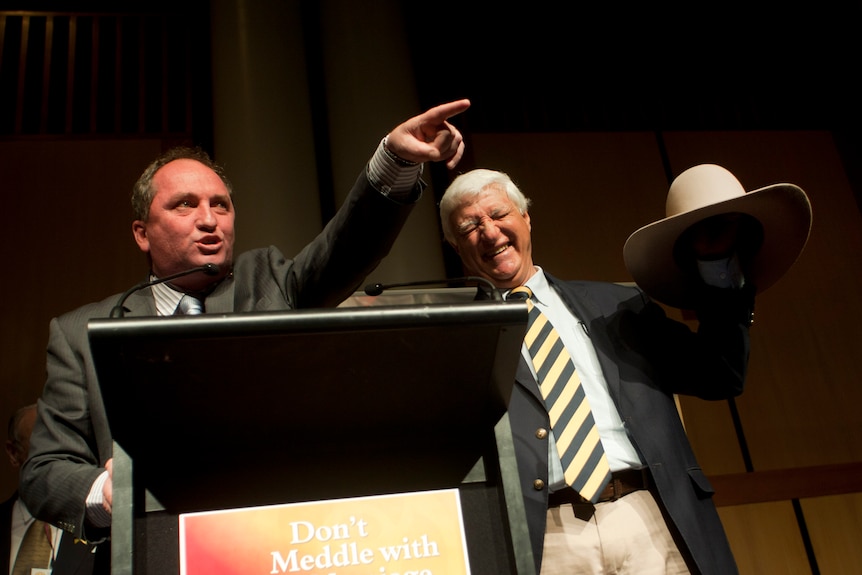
(490, 230)
(184, 219)
(609, 481)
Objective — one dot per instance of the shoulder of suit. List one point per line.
(91, 310)
(257, 254)
(594, 285)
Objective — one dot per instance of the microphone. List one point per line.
(208, 269)
(377, 289)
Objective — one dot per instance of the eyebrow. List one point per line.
(493, 213)
(191, 194)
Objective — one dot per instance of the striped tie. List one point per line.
(35, 550)
(585, 466)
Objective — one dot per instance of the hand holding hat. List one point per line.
(780, 215)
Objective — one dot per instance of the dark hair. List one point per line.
(143, 192)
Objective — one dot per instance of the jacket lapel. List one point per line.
(140, 303)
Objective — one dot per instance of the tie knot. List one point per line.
(190, 305)
(520, 293)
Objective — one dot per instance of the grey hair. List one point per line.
(469, 185)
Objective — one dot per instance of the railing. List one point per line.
(97, 74)
(786, 484)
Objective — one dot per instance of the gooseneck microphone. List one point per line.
(208, 269)
(377, 289)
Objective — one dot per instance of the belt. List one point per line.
(621, 484)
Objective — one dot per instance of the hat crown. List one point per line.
(701, 186)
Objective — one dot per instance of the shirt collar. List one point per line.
(166, 298)
(538, 284)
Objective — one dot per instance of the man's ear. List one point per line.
(13, 454)
(527, 219)
(139, 231)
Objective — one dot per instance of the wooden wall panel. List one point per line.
(835, 527)
(765, 539)
(711, 432)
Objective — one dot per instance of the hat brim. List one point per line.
(783, 210)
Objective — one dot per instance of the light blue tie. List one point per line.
(189, 305)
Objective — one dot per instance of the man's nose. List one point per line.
(206, 217)
(489, 230)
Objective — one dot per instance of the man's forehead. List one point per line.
(490, 198)
(183, 166)
(187, 175)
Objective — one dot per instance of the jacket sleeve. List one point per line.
(68, 447)
(711, 362)
(351, 245)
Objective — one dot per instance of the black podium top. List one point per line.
(311, 403)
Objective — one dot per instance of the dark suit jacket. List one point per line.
(71, 440)
(646, 358)
(71, 558)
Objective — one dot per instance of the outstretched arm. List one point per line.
(364, 229)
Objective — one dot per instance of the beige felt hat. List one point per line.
(707, 190)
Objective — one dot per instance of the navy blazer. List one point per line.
(646, 358)
(71, 440)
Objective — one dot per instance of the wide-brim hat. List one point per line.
(706, 190)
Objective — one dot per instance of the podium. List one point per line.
(234, 411)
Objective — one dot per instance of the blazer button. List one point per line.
(538, 484)
(541, 433)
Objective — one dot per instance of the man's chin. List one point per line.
(498, 279)
(193, 272)
(220, 260)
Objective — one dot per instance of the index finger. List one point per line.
(443, 112)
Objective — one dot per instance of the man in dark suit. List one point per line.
(184, 220)
(66, 555)
(648, 509)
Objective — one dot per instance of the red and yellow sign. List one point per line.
(404, 534)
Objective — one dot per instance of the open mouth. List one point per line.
(209, 245)
(497, 252)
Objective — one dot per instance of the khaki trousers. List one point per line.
(626, 536)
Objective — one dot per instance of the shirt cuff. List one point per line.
(96, 513)
(393, 176)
